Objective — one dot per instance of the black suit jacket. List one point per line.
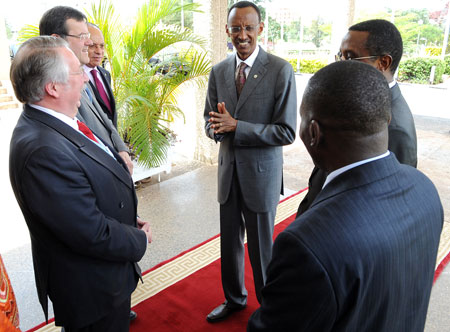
(106, 78)
(80, 207)
(402, 142)
(362, 258)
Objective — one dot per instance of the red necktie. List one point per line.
(101, 89)
(240, 78)
(85, 130)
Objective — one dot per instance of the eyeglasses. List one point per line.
(79, 72)
(94, 46)
(81, 36)
(247, 28)
(339, 57)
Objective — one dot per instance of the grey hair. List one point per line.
(36, 64)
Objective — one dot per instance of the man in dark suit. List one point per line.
(75, 193)
(70, 24)
(99, 77)
(362, 257)
(251, 110)
(378, 43)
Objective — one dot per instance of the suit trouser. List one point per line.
(235, 218)
(117, 320)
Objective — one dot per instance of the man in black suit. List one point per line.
(99, 77)
(362, 257)
(75, 193)
(379, 44)
(70, 24)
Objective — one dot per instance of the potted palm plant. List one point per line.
(146, 89)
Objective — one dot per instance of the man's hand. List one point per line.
(126, 158)
(222, 122)
(145, 226)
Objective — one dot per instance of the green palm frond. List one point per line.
(146, 91)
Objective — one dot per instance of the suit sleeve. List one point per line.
(74, 218)
(117, 141)
(298, 295)
(211, 106)
(281, 130)
(403, 145)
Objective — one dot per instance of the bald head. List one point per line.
(345, 111)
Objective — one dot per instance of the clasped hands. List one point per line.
(145, 226)
(222, 122)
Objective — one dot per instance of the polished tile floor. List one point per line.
(183, 210)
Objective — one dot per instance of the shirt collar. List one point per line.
(250, 60)
(392, 84)
(341, 170)
(88, 69)
(64, 118)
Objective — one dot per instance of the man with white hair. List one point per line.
(75, 193)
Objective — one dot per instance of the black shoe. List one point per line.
(222, 312)
(133, 315)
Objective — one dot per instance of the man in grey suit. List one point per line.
(379, 44)
(251, 110)
(70, 24)
(362, 257)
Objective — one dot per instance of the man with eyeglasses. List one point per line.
(76, 195)
(99, 77)
(379, 44)
(251, 110)
(70, 24)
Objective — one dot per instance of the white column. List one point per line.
(211, 25)
(5, 61)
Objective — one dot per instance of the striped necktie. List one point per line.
(240, 78)
(101, 89)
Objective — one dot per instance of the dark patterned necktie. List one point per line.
(101, 89)
(85, 130)
(240, 78)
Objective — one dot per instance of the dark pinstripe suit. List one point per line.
(362, 258)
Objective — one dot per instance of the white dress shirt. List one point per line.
(72, 122)
(341, 170)
(249, 61)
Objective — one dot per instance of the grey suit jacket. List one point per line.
(92, 114)
(362, 258)
(267, 117)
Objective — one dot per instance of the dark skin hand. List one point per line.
(222, 121)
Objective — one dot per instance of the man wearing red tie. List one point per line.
(99, 77)
(76, 194)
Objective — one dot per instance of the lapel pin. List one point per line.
(255, 76)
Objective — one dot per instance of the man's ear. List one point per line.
(384, 63)
(261, 28)
(52, 89)
(314, 133)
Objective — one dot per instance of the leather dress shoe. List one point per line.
(222, 312)
(133, 315)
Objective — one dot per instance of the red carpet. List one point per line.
(173, 296)
(169, 310)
